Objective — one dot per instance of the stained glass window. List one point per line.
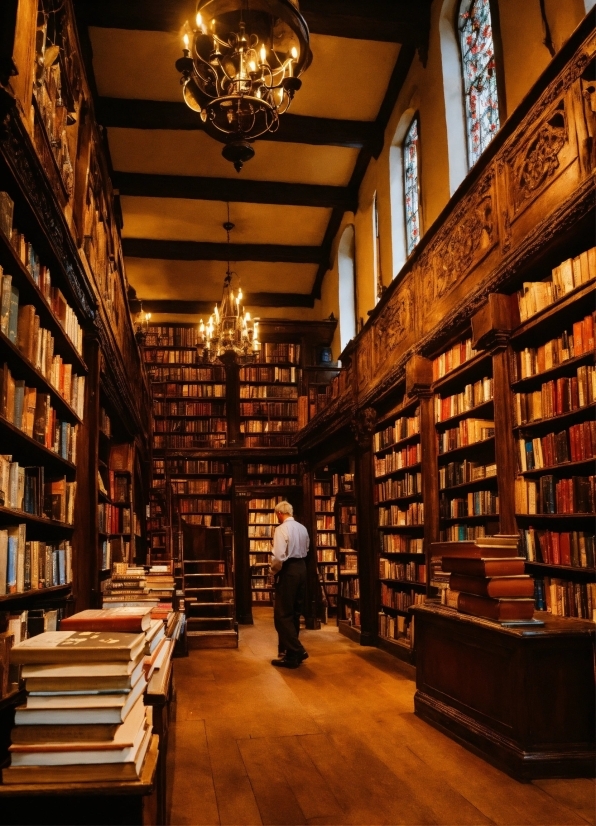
(411, 191)
(480, 80)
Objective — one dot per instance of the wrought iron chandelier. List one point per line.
(241, 68)
(230, 333)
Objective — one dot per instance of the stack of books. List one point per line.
(487, 579)
(128, 587)
(159, 582)
(84, 719)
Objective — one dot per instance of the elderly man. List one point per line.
(290, 547)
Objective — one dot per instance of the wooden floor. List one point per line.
(335, 741)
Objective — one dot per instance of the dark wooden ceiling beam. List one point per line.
(177, 307)
(397, 21)
(161, 114)
(233, 190)
(205, 251)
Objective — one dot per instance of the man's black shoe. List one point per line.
(303, 656)
(284, 662)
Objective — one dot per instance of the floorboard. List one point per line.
(333, 742)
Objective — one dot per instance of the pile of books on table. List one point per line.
(128, 587)
(487, 578)
(84, 719)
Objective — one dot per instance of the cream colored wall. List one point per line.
(524, 58)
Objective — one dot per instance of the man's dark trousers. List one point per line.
(290, 590)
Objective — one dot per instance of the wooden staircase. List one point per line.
(208, 589)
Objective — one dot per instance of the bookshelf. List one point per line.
(465, 427)
(261, 525)
(326, 547)
(554, 430)
(343, 488)
(399, 503)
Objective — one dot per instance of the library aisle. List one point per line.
(334, 742)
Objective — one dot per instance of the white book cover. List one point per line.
(106, 669)
(54, 699)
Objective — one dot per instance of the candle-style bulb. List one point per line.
(199, 21)
(263, 53)
(186, 41)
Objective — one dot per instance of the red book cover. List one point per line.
(572, 402)
(496, 609)
(125, 620)
(589, 333)
(578, 338)
(556, 548)
(573, 442)
(565, 549)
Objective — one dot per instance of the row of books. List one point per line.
(394, 627)
(348, 519)
(185, 374)
(326, 555)
(184, 426)
(402, 428)
(268, 503)
(324, 505)
(409, 484)
(191, 391)
(411, 571)
(397, 543)
(260, 531)
(571, 548)
(157, 356)
(532, 361)
(32, 412)
(209, 520)
(476, 503)
(182, 408)
(470, 397)
(321, 488)
(166, 336)
(26, 489)
(268, 408)
(287, 375)
(467, 432)
(205, 506)
(395, 516)
(563, 598)
(398, 459)
(451, 359)
(351, 615)
(186, 486)
(183, 466)
(42, 278)
(318, 399)
(260, 546)
(326, 538)
(573, 445)
(261, 581)
(262, 596)
(267, 391)
(113, 520)
(350, 588)
(266, 518)
(281, 468)
(550, 495)
(272, 481)
(15, 627)
(462, 533)
(325, 522)
(270, 426)
(27, 565)
(536, 296)
(280, 353)
(178, 442)
(556, 397)
(400, 600)
(459, 473)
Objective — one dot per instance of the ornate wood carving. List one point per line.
(540, 161)
(363, 425)
(394, 324)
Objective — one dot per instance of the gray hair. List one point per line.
(284, 507)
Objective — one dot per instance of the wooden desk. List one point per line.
(521, 698)
(132, 803)
(160, 696)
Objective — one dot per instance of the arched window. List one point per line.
(479, 75)
(347, 297)
(411, 153)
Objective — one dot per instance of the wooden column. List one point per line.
(86, 562)
(313, 596)
(491, 330)
(363, 427)
(235, 438)
(241, 556)
(419, 376)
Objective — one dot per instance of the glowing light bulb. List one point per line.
(247, 316)
(239, 296)
(199, 21)
(294, 53)
(263, 53)
(186, 41)
(252, 66)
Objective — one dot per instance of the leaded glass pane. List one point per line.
(410, 150)
(480, 81)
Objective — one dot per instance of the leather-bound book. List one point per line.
(495, 586)
(499, 610)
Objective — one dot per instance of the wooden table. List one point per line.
(522, 698)
(130, 803)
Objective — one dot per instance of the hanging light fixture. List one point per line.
(230, 334)
(241, 67)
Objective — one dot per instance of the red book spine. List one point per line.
(565, 549)
(556, 549)
(124, 625)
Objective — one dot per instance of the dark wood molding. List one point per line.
(170, 307)
(204, 251)
(398, 21)
(175, 115)
(234, 190)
